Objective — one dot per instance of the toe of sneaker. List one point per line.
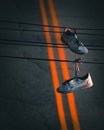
(82, 50)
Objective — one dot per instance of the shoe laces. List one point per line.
(76, 40)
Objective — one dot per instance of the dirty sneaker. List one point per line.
(72, 41)
(76, 83)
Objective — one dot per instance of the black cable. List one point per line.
(25, 41)
(35, 24)
(33, 58)
(35, 42)
(95, 34)
(45, 59)
(36, 45)
(29, 30)
(45, 45)
(37, 30)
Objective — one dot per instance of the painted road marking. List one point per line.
(64, 67)
(54, 72)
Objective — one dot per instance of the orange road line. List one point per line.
(64, 68)
(54, 72)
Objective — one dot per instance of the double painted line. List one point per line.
(64, 69)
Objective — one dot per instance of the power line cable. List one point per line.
(29, 30)
(36, 45)
(39, 42)
(45, 46)
(94, 34)
(35, 24)
(37, 30)
(45, 59)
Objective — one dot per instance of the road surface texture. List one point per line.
(28, 79)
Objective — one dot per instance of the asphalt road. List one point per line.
(28, 97)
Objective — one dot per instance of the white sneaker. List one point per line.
(75, 84)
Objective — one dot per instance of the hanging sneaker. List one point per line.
(72, 41)
(76, 83)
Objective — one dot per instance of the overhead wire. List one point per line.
(39, 42)
(38, 30)
(35, 24)
(43, 45)
(46, 59)
(54, 45)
